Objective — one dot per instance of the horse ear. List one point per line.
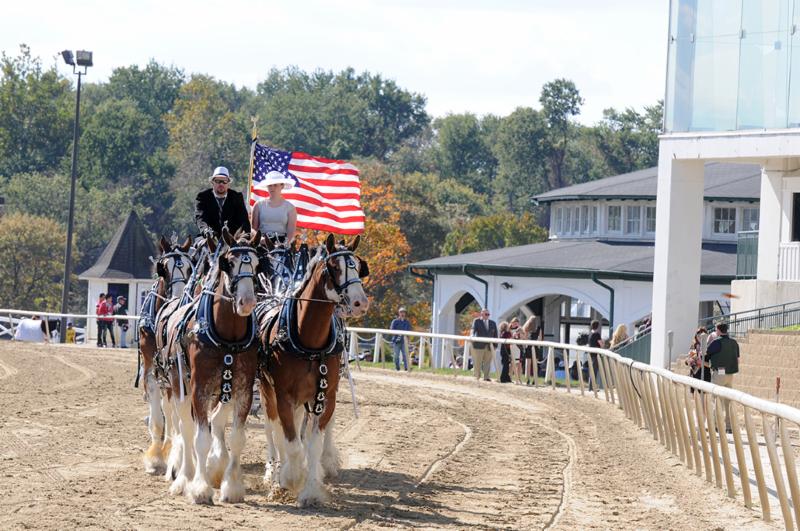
(224, 263)
(212, 244)
(163, 244)
(226, 236)
(161, 270)
(330, 243)
(256, 238)
(267, 242)
(186, 244)
(363, 268)
(354, 244)
(238, 234)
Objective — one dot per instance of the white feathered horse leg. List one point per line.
(314, 491)
(219, 457)
(154, 456)
(331, 463)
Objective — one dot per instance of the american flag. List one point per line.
(326, 192)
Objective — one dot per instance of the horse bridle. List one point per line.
(243, 252)
(349, 264)
(178, 257)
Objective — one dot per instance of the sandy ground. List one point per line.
(426, 451)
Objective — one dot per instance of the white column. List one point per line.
(676, 276)
(769, 224)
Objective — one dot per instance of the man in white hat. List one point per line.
(218, 205)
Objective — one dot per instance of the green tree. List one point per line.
(560, 101)
(465, 150)
(98, 211)
(494, 232)
(521, 149)
(153, 89)
(628, 139)
(31, 262)
(340, 115)
(35, 114)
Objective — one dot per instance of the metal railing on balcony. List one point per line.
(766, 318)
(746, 254)
(637, 347)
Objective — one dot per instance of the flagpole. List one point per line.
(253, 119)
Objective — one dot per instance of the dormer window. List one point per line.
(614, 218)
(633, 221)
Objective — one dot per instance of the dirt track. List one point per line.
(426, 451)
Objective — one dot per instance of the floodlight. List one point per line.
(68, 58)
(84, 58)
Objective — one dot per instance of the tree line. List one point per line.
(151, 134)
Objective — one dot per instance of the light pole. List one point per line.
(81, 59)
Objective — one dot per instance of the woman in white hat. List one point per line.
(275, 217)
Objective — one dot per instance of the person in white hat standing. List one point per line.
(274, 216)
(218, 205)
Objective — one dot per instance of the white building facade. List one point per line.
(732, 95)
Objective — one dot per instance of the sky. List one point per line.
(464, 56)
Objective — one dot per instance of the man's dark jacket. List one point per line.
(481, 330)
(208, 215)
(723, 352)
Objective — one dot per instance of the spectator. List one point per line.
(108, 320)
(699, 366)
(595, 341)
(70, 333)
(101, 326)
(505, 352)
(399, 342)
(120, 308)
(533, 329)
(619, 337)
(723, 354)
(482, 326)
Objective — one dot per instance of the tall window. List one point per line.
(749, 219)
(576, 220)
(633, 220)
(595, 211)
(567, 219)
(724, 221)
(614, 218)
(585, 219)
(557, 220)
(650, 219)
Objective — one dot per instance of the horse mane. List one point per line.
(318, 257)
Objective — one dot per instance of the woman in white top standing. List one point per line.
(275, 217)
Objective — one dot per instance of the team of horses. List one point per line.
(224, 314)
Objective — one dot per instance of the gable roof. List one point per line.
(127, 255)
(723, 182)
(629, 260)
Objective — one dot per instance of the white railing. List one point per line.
(9, 319)
(789, 261)
(684, 414)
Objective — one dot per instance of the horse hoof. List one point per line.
(312, 496)
(154, 465)
(200, 492)
(178, 486)
(231, 492)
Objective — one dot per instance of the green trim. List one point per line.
(589, 197)
(551, 272)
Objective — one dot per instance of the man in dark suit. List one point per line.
(482, 353)
(217, 205)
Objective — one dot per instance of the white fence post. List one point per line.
(354, 349)
(376, 348)
(421, 352)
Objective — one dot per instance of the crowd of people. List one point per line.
(106, 310)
